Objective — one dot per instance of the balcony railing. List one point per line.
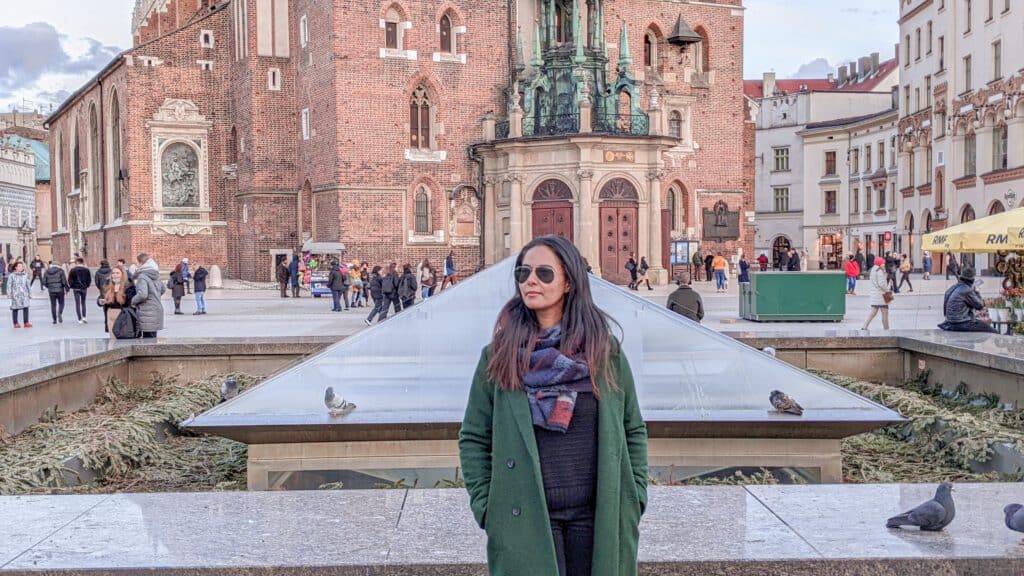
(636, 124)
(501, 129)
(551, 125)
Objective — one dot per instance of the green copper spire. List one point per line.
(577, 32)
(519, 49)
(624, 59)
(535, 59)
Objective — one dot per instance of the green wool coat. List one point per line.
(501, 467)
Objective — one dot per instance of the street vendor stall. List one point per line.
(321, 254)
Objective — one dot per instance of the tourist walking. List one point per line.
(177, 285)
(294, 275)
(708, 266)
(533, 449)
(37, 272)
(642, 277)
(148, 290)
(744, 270)
(427, 278)
(355, 281)
(282, 277)
(952, 266)
(852, 273)
(407, 287)
(80, 279)
(959, 304)
(102, 275)
(337, 281)
(880, 295)
(186, 275)
(926, 265)
(859, 259)
(686, 301)
(762, 262)
(376, 285)
(19, 290)
(199, 286)
(56, 283)
(389, 288)
(719, 264)
(784, 261)
(450, 272)
(793, 264)
(905, 273)
(891, 265)
(117, 294)
(631, 268)
(869, 261)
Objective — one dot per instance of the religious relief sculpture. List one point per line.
(180, 178)
(720, 223)
(465, 217)
(721, 213)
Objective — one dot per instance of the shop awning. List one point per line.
(995, 233)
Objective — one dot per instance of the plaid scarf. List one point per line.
(553, 381)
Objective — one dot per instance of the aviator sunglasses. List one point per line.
(545, 274)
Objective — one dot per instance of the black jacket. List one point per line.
(407, 286)
(37, 267)
(389, 285)
(794, 263)
(338, 280)
(784, 261)
(102, 277)
(282, 272)
(199, 279)
(744, 270)
(376, 287)
(55, 280)
(960, 303)
(80, 278)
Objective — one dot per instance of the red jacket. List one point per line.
(852, 269)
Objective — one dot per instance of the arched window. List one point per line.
(670, 205)
(392, 37)
(999, 148)
(233, 146)
(116, 174)
(419, 120)
(650, 49)
(95, 185)
(76, 160)
(422, 211)
(447, 46)
(675, 124)
(58, 172)
(702, 52)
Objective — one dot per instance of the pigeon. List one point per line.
(1014, 517)
(228, 390)
(933, 515)
(336, 404)
(769, 351)
(784, 403)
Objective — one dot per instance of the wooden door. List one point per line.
(618, 240)
(553, 218)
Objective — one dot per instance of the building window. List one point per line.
(422, 211)
(967, 20)
(881, 154)
(58, 167)
(942, 53)
(881, 198)
(929, 36)
(970, 155)
(968, 86)
(917, 53)
(274, 79)
(781, 199)
(867, 198)
(906, 99)
(76, 161)
(830, 201)
(941, 128)
(917, 99)
(911, 179)
(997, 60)
(675, 124)
(205, 65)
(392, 39)
(781, 159)
(906, 51)
(445, 32)
(95, 185)
(867, 158)
(115, 169)
(702, 52)
(928, 91)
(419, 120)
(305, 124)
(991, 10)
(1006, 6)
(206, 39)
(855, 161)
(303, 31)
(650, 49)
(830, 163)
(892, 152)
(855, 200)
(999, 148)
(670, 205)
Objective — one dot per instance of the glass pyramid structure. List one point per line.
(409, 377)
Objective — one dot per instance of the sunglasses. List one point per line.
(545, 274)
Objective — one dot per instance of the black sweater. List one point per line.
(568, 462)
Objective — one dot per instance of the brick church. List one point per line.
(232, 132)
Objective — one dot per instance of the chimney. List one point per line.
(865, 67)
(768, 85)
(842, 75)
(874, 63)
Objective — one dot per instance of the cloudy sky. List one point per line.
(48, 48)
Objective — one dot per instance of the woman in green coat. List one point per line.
(553, 447)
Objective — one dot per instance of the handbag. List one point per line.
(126, 326)
(888, 297)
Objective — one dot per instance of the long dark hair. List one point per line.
(586, 328)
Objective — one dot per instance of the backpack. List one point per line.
(126, 326)
(630, 266)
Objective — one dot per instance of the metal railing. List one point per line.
(636, 124)
(551, 125)
(501, 129)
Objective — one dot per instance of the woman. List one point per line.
(116, 296)
(852, 273)
(926, 265)
(642, 274)
(148, 290)
(905, 273)
(407, 287)
(879, 289)
(293, 272)
(745, 270)
(376, 288)
(427, 279)
(199, 287)
(177, 286)
(20, 292)
(553, 418)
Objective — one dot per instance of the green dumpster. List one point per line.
(794, 297)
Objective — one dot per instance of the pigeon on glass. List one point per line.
(1014, 517)
(783, 403)
(932, 516)
(769, 351)
(228, 390)
(336, 404)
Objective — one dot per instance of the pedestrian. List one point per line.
(744, 270)
(117, 294)
(868, 262)
(102, 275)
(337, 281)
(293, 275)
(186, 275)
(558, 489)
(356, 285)
(719, 264)
(307, 274)
(631, 268)
(37, 272)
(784, 261)
(177, 285)
(696, 265)
(407, 287)
(905, 273)
(148, 290)
(19, 289)
(364, 275)
(891, 265)
(199, 284)
(686, 301)
(80, 278)
(959, 304)
(793, 264)
(880, 294)
(389, 288)
(804, 260)
(762, 262)
(376, 285)
(56, 283)
(641, 277)
(282, 277)
(852, 273)
(709, 265)
(450, 272)
(859, 259)
(427, 278)
(926, 265)
(952, 266)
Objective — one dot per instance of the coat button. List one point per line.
(511, 463)
(516, 511)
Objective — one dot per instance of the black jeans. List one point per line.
(388, 301)
(573, 531)
(406, 304)
(14, 314)
(336, 297)
(79, 303)
(57, 305)
(905, 277)
(973, 325)
(380, 306)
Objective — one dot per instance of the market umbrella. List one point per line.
(995, 233)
